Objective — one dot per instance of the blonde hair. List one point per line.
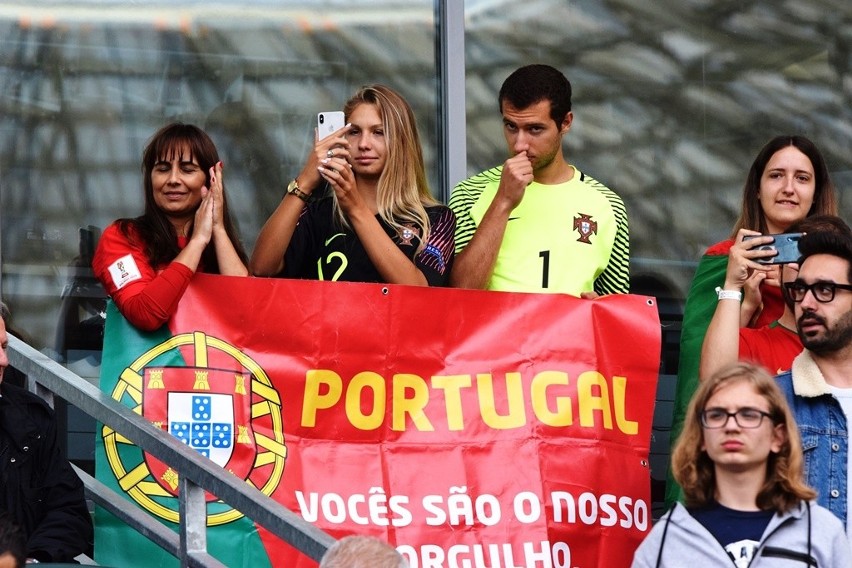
(693, 469)
(403, 192)
(362, 552)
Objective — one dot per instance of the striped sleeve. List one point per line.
(615, 279)
(436, 258)
(465, 195)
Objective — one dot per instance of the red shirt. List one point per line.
(146, 296)
(773, 346)
(773, 300)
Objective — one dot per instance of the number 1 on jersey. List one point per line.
(545, 266)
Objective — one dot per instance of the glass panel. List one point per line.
(85, 83)
(672, 101)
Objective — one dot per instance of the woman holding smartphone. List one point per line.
(146, 263)
(378, 222)
(775, 345)
(739, 461)
(787, 182)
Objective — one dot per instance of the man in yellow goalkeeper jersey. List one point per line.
(537, 223)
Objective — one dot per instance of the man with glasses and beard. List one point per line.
(819, 385)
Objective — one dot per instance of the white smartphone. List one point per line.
(329, 122)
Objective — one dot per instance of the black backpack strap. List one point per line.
(809, 531)
(665, 531)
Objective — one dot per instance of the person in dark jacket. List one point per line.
(38, 488)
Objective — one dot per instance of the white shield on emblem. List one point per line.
(204, 422)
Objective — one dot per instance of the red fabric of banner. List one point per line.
(468, 428)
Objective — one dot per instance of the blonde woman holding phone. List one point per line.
(378, 222)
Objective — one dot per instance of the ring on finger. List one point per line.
(330, 153)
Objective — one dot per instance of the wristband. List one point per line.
(729, 294)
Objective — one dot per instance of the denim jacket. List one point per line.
(822, 425)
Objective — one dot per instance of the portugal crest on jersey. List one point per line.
(229, 413)
(586, 227)
(408, 233)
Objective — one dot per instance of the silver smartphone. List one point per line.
(329, 122)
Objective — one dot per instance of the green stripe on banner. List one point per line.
(699, 309)
(236, 543)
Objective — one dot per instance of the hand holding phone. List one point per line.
(329, 122)
(785, 244)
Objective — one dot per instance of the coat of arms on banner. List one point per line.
(206, 409)
(230, 413)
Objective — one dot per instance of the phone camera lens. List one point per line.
(322, 119)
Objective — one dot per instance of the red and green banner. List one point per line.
(467, 428)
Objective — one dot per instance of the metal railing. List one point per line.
(197, 473)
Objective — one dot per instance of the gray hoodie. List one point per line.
(807, 535)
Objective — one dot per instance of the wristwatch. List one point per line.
(293, 189)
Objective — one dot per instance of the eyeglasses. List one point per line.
(744, 417)
(822, 291)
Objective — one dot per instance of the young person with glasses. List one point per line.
(739, 462)
(819, 385)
